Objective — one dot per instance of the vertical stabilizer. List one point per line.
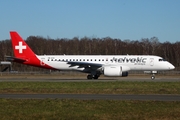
(20, 48)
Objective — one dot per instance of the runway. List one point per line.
(83, 79)
(93, 97)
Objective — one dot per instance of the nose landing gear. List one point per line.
(152, 76)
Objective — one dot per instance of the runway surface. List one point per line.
(83, 79)
(93, 97)
(89, 96)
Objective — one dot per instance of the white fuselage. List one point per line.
(133, 62)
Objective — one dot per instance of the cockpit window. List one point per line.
(162, 60)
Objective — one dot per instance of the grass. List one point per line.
(66, 109)
(56, 109)
(121, 87)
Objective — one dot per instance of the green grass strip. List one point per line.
(121, 87)
(55, 109)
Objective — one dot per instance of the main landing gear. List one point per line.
(92, 76)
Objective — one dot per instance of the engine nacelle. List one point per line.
(116, 71)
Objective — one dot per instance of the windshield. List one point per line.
(162, 59)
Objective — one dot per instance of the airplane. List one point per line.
(94, 65)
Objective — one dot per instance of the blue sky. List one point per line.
(122, 19)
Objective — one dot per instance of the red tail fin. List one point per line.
(20, 48)
(23, 53)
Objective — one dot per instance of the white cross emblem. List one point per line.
(20, 47)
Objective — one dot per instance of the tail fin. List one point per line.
(20, 48)
(23, 53)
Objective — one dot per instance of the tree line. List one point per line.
(94, 46)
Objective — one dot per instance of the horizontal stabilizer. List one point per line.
(14, 59)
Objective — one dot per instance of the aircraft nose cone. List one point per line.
(171, 67)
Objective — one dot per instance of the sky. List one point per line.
(118, 19)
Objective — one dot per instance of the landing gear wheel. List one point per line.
(92, 77)
(96, 77)
(89, 77)
(152, 77)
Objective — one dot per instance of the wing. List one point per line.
(93, 66)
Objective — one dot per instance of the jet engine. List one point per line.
(116, 71)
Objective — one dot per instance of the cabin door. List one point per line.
(151, 61)
(42, 62)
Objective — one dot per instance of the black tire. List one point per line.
(96, 77)
(89, 77)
